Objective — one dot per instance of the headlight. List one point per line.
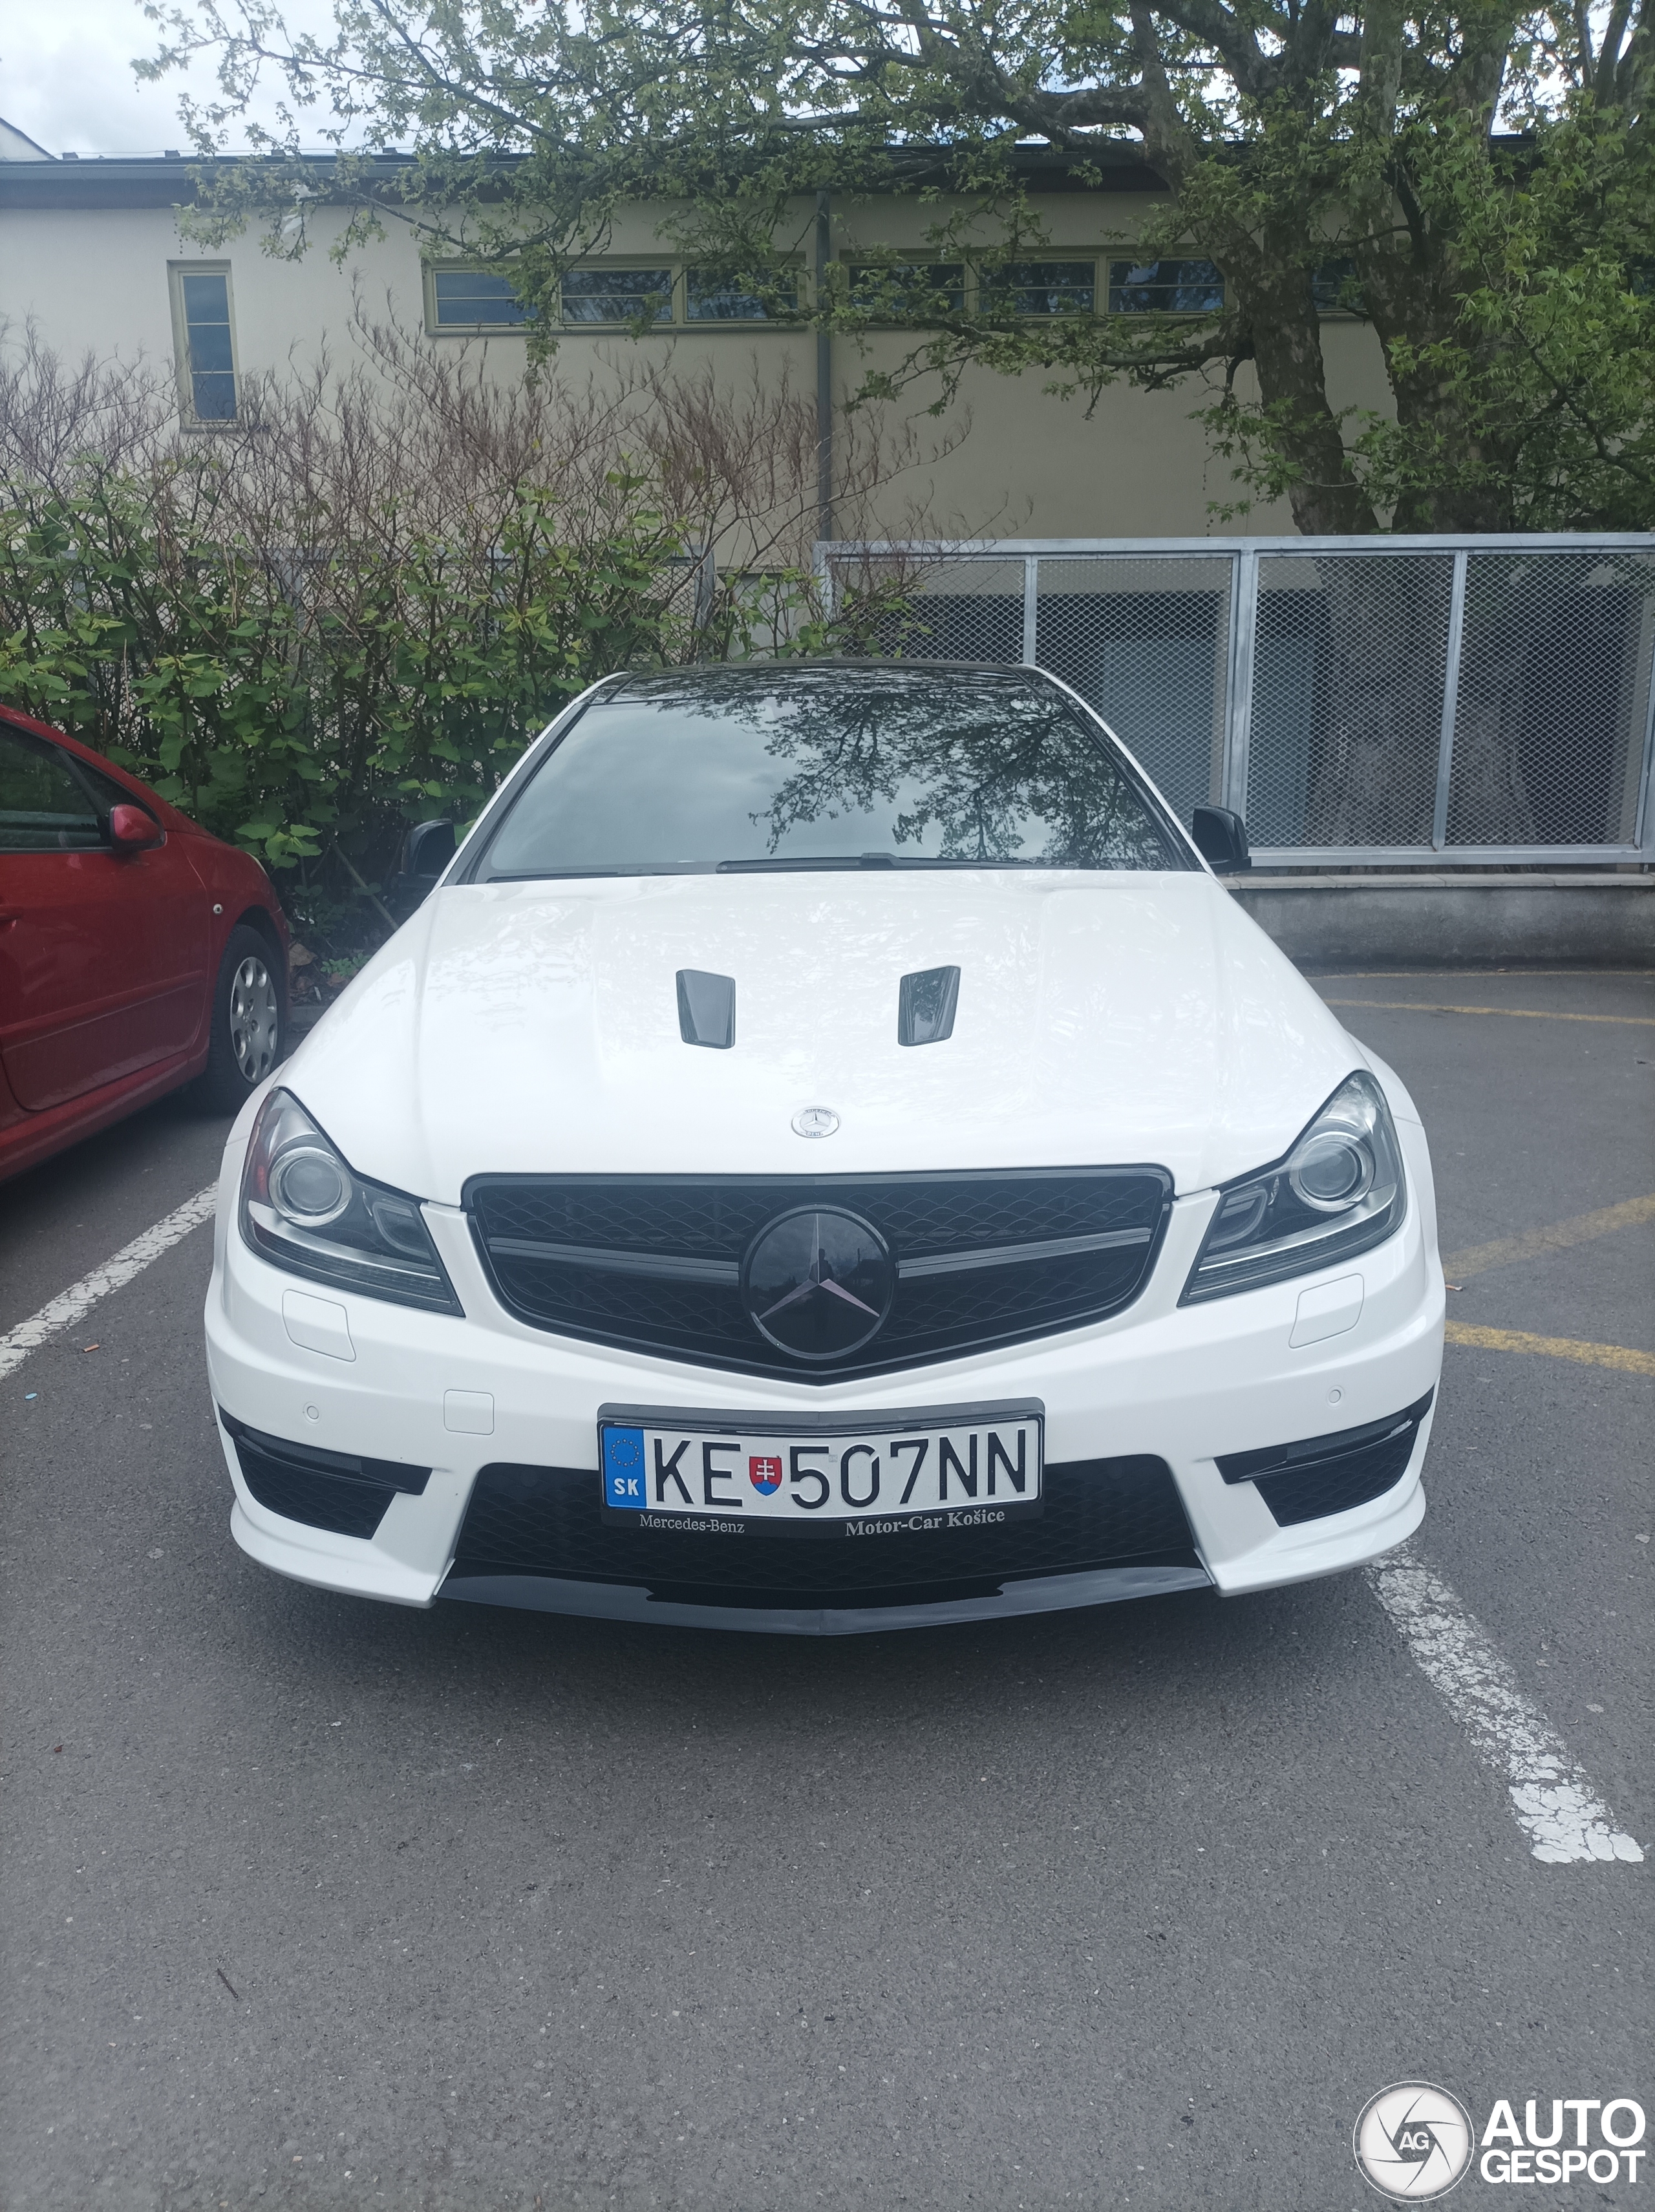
(1338, 1192)
(303, 1209)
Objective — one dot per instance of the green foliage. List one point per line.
(353, 610)
(1527, 387)
(283, 713)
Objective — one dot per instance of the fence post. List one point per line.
(824, 371)
(706, 589)
(1451, 700)
(1030, 583)
(1238, 714)
(1643, 828)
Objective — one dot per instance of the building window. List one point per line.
(1042, 288)
(1165, 288)
(1333, 287)
(711, 298)
(206, 341)
(474, 300)
(605, 295)
(894, 289)
(618, 296)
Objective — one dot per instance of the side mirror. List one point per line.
(429, 848)
(132, 831)
(1221, 838)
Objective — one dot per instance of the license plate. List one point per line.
(677, 1471)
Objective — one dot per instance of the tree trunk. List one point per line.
(1377, 717)
(1272, 281)
(1492, 804)
(1426, 404)
(1414, 280)
(1326, 499)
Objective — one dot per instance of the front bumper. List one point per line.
(1186, 1386)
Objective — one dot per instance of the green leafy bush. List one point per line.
(282, 713)
(353, 609)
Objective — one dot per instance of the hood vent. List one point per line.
(925, 1006)
(707, 1009)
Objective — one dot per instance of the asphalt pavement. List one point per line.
(309, 1901)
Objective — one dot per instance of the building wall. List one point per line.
(1005, 459)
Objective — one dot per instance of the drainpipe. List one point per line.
(823, 377)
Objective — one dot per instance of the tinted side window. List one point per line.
(43, 807)
(107, 792)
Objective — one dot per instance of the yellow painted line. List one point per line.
(1516, 1013)
(1554, 1347)
(1532, 1243)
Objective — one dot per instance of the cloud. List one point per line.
(66, 77)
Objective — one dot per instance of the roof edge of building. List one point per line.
(173, 179)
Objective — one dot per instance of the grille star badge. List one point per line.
(818, 1283)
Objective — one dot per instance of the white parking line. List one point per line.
(77, 1301)
(1556, 1807)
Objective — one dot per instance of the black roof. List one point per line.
(713, 675)
(171, 179)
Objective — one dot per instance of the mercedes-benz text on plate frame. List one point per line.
(913, 1473)
(535, 1283)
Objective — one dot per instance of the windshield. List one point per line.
(823, 769)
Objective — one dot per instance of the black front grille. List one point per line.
(1308, 1480)
(652, 1263)
(336, 1491)
(546, 1521)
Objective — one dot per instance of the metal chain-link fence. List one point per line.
(1389, 699)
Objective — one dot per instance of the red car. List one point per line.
(137, 952)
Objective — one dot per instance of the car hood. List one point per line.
(534, 1028)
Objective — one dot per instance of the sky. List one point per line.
(66, 78)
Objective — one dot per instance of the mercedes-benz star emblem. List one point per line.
(815, 1121)
(817, 1284)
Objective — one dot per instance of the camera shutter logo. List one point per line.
(1414, 2141)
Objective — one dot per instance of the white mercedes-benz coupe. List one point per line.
(827, 1154)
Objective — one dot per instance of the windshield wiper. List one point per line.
(855, 861)
(620, 868)
(793, 864)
